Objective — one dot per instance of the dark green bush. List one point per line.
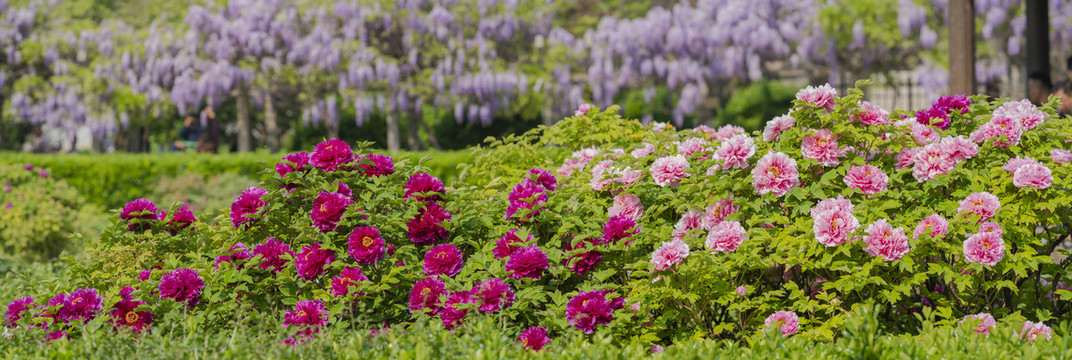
(38, 212)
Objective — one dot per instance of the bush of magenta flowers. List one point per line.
(600, 224)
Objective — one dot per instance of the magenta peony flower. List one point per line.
(833, 221)
(534, 338)
(669, 254)
(982, 321)
(124, 315)
(986, 248)
(16, 308)
(668, 171)
(934, 116)
(308, 316)
(545, 179)
(271, 252)
(340, 285)
(329, 155)
(777, 126)
(823, 147)
(427, 227)
(82, 305)
(869, 179)
(492, 295)
(626, 205)
(582, 262)
(443, 259)
(735, 152)
(883, 240)
(691, 219)
(527, 262)
(507, 244)
(822, 96)
(717, 212)
(786, 322)
(425, 295)
(934, 225)
(726, 236)
(775, 173)
(245, 207)
(237, 252)
(328, 210)
(1033, 175)
(645, 150)
(140, 214)
(526, 195)
(983, 204)
(182, 285)
(312, 260)
(1033, 331)
(381, 165)
(872, 114)
(422, 183)
(297, 162)
(590, 309)
(619, 228)
(1061, 156)
(990, 226)
(451, 315)
(181, 219)
(366, 246)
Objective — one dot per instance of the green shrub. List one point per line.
(38, 212)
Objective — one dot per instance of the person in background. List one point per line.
(1038, 87)
(210, 142)
(1064, 91)
(188, 135)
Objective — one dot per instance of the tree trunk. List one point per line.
(548, 112)
(243, 119)
(393, 140)
(134, 138)
(431, 136)
(413, 138)
(270, 125)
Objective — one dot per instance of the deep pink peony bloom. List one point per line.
(986, 248)
(1033, 175)
(934, 226)
(934, 116)
(422, 183)
(534, 338)
(883, 240)
(425, 295)
(833, 221)
(451, 315)
(691, 219)
(237, 252)
(777, 126)
(590, 309)
(508, 243)
(727, 131)
(124, 315)
(294, 162)
(544, 178)
(735, 152)
(365, 245)
(340, 285)
(1017, 162)
(718, 211)
(786, 322)
(643, 151)
(1033, 331)
(181, 219)
(726, 236)
(140, 214)
(822, 96)
(271, 252)
(670, 254)
(312, 260)
(182, 285)
(619, 228)
(245, 207)
(626, 205)
(668, 171)
(1061, 156)
(331, 154)
(872, 114)
(308, 316)
(823, 147)
(582, 262)
(16, 308)
(443, 259)
(427, 227)
(82, 305)
(906, 158)
(381, 165)
(691, 146)
(983, 204)
(775, 173)
(982, 321)
(527, 262)
(526, 195)
(328, 210)
(492, 295)
(869, 179)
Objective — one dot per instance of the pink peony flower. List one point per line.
(16, 308)
(427, 227)
(1033, 331)
(691, 146)
(312, 260)
(308, 316)
(588, 310)
(959, 148)
(365, 245)
(1033, 175)
(1023, 112)
(982, 321)
(140, 214)
(1017, 162)
(1006, 129)
(526, 195)
(271, 252)
(182, 285)
(735, 152)
(583, 110)
(626, 205)
(822, 96)
(823, 147)
(643, 151)
(492, 295)
(990, 226)
(691, 219)
(906, 158)
(934, 226)
(1061, 156)
(527, 262)
(777, 126)
(328, 210)
(508, 243)
(425, 295)
(833, 221)
(983, 204)
(422, 183)
(869, 179)
(297, 162)
(544, 178)
(932, 160)
(741, 290)
(245, 207)
(619, 228)
(669, 170)
(872, 114)
(725, 132)
(340, 285)
(786, 322)
(534, 338)
(986, 248)
(726, 236)
(451, 315)
(718, 211)
(584, 262)
(443, 259)
(82, 305)
(775, 173)
(330, 154)
(883, 240)
(180, 220)
(237, 252)
(381, 165)
(669, 254)
(924, 135)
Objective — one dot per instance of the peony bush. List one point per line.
(600, 225)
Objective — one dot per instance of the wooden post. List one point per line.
(961, 47)
(1037, 56)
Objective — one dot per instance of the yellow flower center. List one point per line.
(524, 342)
(301, 313)
(774, 171)
(425, 292)
(928, 226)
(977, 203)
(986, 245)
(323, 207)
(441, 255)
(834, 223)
(1002, 125)
(132, 317)
(820, 141)
(367, 241)
(76, 301)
